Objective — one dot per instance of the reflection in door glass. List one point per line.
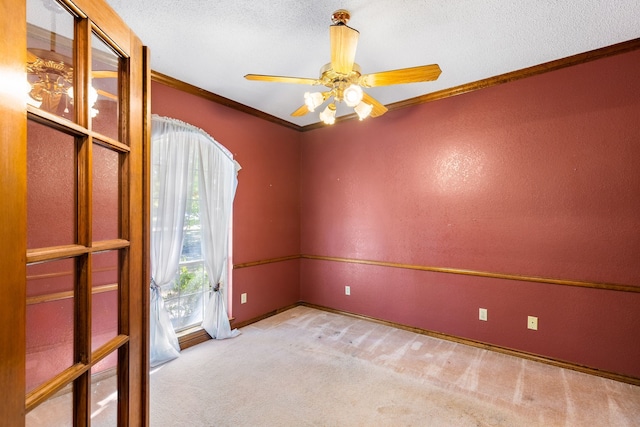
(50, 57)
(105, 81)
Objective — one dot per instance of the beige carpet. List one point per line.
(306, 367)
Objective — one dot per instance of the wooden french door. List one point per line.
(73, 220)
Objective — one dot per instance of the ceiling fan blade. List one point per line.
(344, 41)
(423, 73)
(378, 108)
(107, 94)
(301, 111)
(104, 74)
(281, 79)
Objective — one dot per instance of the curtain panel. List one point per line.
(178, 150)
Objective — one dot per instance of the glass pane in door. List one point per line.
(104, 393)
(106, 194)
(50, 308)
(50, 32)
(104, 305)
(51, 187)
(57, 411)
(104, 97)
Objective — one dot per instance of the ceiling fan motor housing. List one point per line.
(340, 17)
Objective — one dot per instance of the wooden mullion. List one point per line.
(55, 253)
(55, 122)
(110, 143)
(82, 71)
(124, 296)
(107, 245)
(82, 341)
(82, 330)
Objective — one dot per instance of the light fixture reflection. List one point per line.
(93, 98)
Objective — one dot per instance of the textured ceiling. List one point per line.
(213, 44)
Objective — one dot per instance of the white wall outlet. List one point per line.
(347, 290)
(482, 314)
(532, 322)
(243, 298)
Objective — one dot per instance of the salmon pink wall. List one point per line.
(266, 206)
(537, 177)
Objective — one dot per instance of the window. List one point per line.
(186, 296)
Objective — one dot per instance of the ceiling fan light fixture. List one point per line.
(328, 116)
(344, 77)
(352, 95)
(363, 110)
(313, 100)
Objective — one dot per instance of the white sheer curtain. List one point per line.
(218, 182)
(172, 154)
(176, 147)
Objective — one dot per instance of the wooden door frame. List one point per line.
(13, 210)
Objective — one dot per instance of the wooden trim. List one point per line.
(196, 336)
(546, 67)
(210, 96)
(109, 245)
(108, 348)
(64, 273)
(135, 290)
(69, 251)
(56, 122)
(447, 270)
(265, 261)
(263, 316)
(569, 61)
(70, 128)
(193, 338)
(504, 350)
(146, 233)
(38, 299)
(521, 278)
(13, 211)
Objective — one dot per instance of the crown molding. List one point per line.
(546, 67)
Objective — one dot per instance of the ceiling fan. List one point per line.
(344, 77)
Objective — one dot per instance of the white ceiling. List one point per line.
(213, 44)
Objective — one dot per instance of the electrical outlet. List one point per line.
(482, 314)
(347, 290)
(243, 298)
(532, 322)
